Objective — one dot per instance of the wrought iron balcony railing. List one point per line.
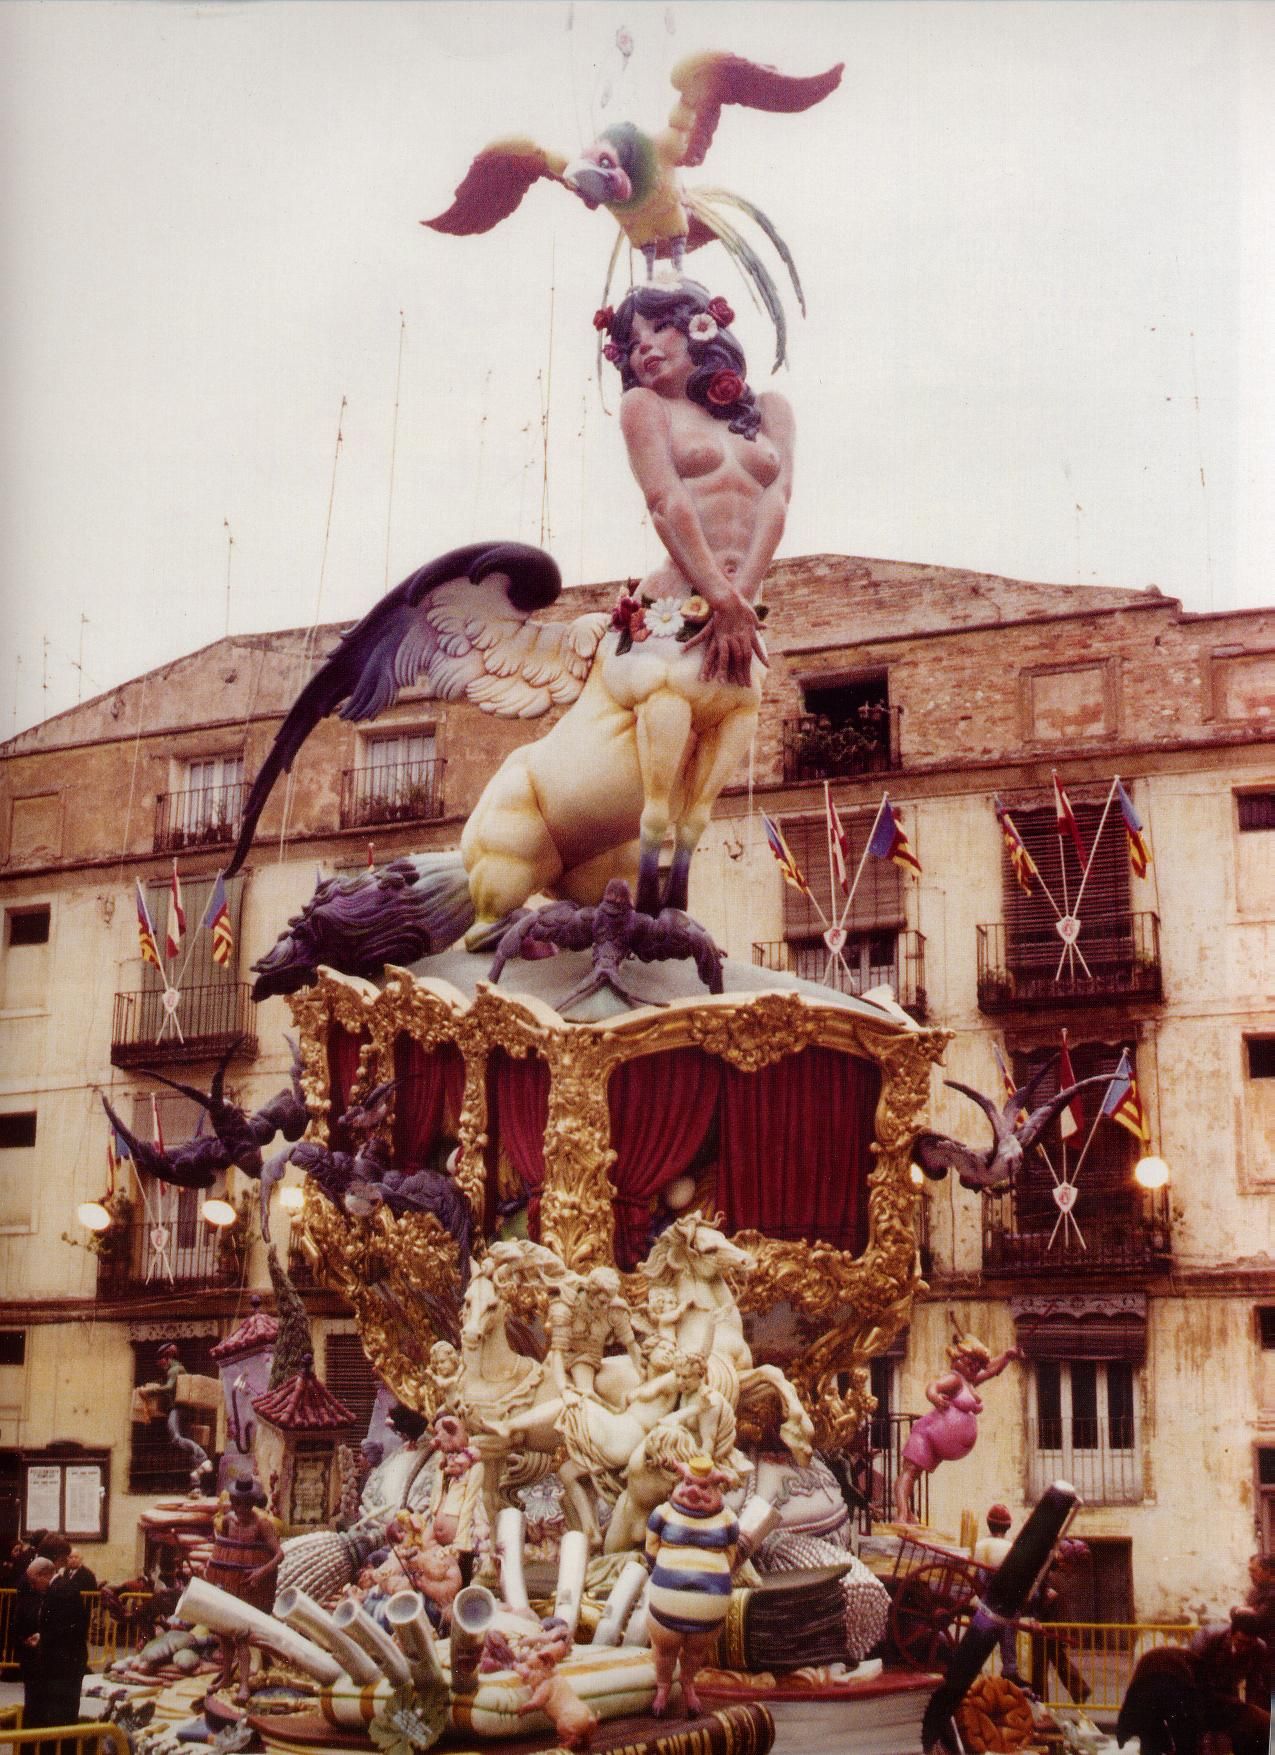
(903, 971)
(1101, 1458)
(872, 1467)
(1115, 957)
(204, 816)
(209, 1019)
(393, 792)
(1131, 1232)
(816, 748)
(191, 1256)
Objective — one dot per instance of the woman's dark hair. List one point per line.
(722, 354)
(406, 1422)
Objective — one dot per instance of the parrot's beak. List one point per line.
(595, 185)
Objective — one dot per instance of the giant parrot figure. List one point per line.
(634, 175)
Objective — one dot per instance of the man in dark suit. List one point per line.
(29, 1642)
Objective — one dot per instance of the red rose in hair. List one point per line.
(724, 388)
(721, 312)
(603, 318)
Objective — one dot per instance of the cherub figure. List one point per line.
(444, 1374)
(951, 1431)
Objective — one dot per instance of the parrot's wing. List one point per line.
(458, 628)
(494, 184)
(705, 82)
(937, 1153)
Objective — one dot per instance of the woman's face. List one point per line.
(660, 356)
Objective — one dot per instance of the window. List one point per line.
(205, 805)
(1256, 812)
(1086, 1429)
(155, 1463)
(350, 1377)
(1261, 1057)
(13, 1346)
(1107, 1199)
(1266, 1499)
(871, 952)
(195, 964)
(17, 1131)
(846, 728)
(1106, 932)
(188, 1253)
(27, 926)
(17, 1182)
(400, 781)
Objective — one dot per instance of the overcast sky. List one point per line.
(1036, 243)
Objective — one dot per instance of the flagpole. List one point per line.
(863, 859)
(1093, 848)
(1062, 872)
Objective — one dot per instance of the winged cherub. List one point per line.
(634, 175)
(1016, 1129)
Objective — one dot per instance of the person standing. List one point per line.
(988, 1553)
(29, 1643)
(65, 1636)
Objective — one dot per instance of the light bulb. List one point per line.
(917, 1174)
(93, 1216)
(292, 1197)
(1151, 1172)
(219, 1213)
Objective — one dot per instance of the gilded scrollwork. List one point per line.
(850, 1307)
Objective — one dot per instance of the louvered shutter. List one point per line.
(1105, 1185)
(350, 1377)
(878, 900)
(1106, 926)
(195, 964)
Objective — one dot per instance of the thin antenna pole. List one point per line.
(230, 549)
(398, 383)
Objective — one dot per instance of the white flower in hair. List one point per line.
(702, 327)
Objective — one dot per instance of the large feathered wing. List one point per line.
(937, 1153)
(1039, 1119)
(704, 83)
(458, 628)
(495, 184)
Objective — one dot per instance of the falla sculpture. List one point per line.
(633, 1403)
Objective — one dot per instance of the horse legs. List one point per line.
(722, 748)
(663, 734)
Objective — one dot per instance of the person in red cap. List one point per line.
(988, 1553)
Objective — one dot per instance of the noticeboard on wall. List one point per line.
(68, 1489)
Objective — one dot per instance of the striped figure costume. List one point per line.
(691, 1555)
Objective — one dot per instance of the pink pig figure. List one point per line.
(574, 1723)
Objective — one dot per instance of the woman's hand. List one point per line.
(731, 639)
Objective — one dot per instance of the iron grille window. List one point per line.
(1086, 1425)
(878, 900)
(1106, 1191)
(1256, 811)
(350, 1377)
(1106, 935)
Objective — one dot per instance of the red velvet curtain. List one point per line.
(430, 1085)
(343, 1066)
(517, 1115)
(794, 1147)
(661, 1108)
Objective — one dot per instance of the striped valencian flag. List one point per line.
(889, 841)
(217, 920)
(146, 940)
(1021, 861)
(792, 872)
(1123, 1102)
(1139, 854)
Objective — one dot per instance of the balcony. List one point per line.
(1030, 967)
(873, 1463)
(210, 1019)
(894, 960)
(392, 792)
(205, 816)
(1131, 1234)
(817, 748)
(1101, 1458)
(198, 1258)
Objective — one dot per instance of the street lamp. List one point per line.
(1151, 1172)
(93, 1216)
(219, 1213)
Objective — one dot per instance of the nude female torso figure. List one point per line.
(660, 728)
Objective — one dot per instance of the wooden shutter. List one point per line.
(350, 1377)
(1106, 928)
(878, 901)
(1105, 1184)
(195, 963)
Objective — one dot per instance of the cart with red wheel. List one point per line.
(933, 1592)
